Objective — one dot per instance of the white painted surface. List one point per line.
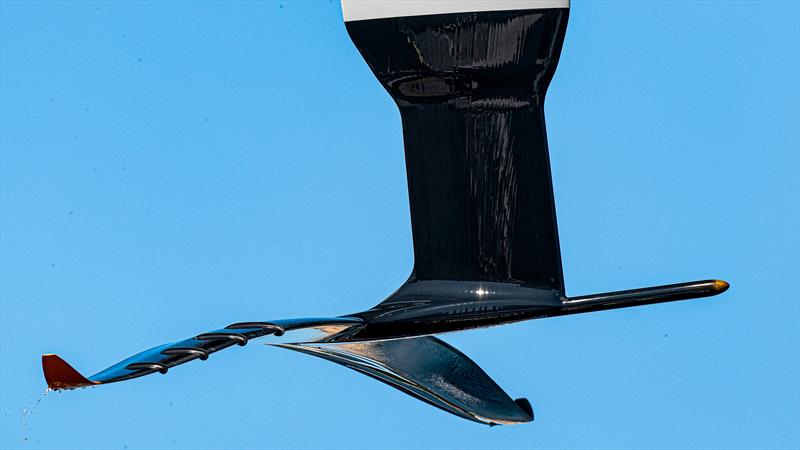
(380, 9)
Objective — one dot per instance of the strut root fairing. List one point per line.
(470, 79)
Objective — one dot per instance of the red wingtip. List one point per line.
(60, 375)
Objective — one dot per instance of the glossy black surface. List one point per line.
(471, 90)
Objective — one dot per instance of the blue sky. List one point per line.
(169, 168)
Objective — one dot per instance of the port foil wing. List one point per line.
(432, 371)
(60, 375)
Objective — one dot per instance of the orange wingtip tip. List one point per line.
(60, 375)
(721, 286)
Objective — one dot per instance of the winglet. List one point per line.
(525, 405)
(60, 375)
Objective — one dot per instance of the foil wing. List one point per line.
(60, 375)
(432, 371)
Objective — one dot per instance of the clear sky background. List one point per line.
(170, 168)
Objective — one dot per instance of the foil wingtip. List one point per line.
(60, 375)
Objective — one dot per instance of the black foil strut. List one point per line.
(471, 88)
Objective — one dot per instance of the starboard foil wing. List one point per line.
(430, 370)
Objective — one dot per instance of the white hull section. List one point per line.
(353, 10)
